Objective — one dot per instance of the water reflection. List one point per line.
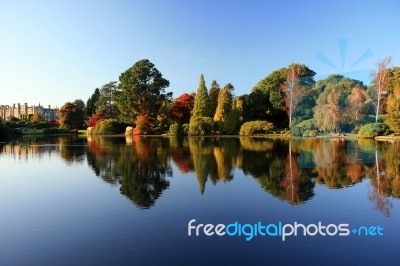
(287, 170)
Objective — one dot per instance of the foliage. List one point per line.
(214, 92)
(331, 103)
(273, 89)
(254, 127)
(200, 126)
(175, 129)
(27, 118)
(142, 125)
(226, 118)
(71, 116)
(140, 92)
(105, 105)
(202, 104)
(185, 129)
(306, 125)
(357, 103)
(79, 103)
(109, 126)
(161, 125)
(392, 118)
(91, 103)
(37, 118)
(372, 130)
(96, 118)
(182, 107)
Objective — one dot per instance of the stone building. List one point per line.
(16, 110)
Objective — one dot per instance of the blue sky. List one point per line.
(57, 51)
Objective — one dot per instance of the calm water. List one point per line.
(128, 201)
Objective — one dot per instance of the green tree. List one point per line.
(141, 91)
(91, 104)
(214, 91)
(202, 104)
(275, 89)
(79, 103)
(105, 105)
(201, 111)
(71, 116)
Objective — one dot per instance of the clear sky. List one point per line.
(57, 51)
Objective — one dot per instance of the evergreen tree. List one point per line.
(214, 91)
(202, 104)
(141, 92)
(91, 104)
(105, 105)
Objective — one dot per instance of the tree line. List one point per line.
(288, 97)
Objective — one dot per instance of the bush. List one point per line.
(201, 126)
(175, 129)
(253, 127)
(185, 129)
(370, 131)
(109, 126)
(300, 128)
(95, 118)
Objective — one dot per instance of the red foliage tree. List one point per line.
(96, 118)
(182, 107)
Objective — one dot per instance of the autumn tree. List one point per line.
(225, 114)
(37, 118)
(214, 91)
(331, 103)
(357, 103)
(327, 114)
(393, 111)
(182, 107)
(141, 91)
(380, 84)
(105, 104)
(71, 116)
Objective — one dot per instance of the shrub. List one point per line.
(253, 127)
(300, 128)
(108, 126)
(370, 131)
(95, 118)
(175, 129)
(201, 126)
(90, 130)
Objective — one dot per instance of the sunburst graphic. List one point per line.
(346, 69)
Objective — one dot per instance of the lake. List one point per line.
(132, 201)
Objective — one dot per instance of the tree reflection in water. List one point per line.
(288, 170)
